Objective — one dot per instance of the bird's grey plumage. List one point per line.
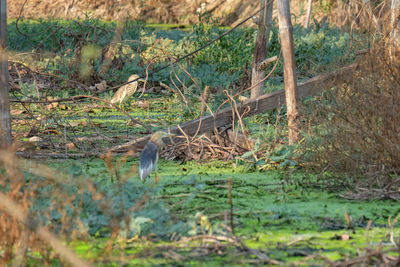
(148, 160)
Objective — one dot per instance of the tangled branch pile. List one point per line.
(226, 144)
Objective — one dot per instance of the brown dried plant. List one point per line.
(354, 127)
(23, 229)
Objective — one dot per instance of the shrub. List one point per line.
(354, 126)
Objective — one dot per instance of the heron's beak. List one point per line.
(169, 135)
(141, 80)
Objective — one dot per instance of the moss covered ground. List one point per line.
(288, 224)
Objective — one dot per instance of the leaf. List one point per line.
(55, 215)
(51, 131)
(64, 107)
(247, 154)
(52, 105)
(136, 224)
(142, 104)
(77, 123)
(17, 112)
(101, 85)
(257, 144)
(345, 237)
(70, 146)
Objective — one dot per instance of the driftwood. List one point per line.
(252, 106)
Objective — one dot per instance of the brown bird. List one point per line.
(126, 91)
(150, 154)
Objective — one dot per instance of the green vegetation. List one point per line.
(285, 223)
(282, 213)
(60, 43)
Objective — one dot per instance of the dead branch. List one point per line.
(264, 64)
(261, 104)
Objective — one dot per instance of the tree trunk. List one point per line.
(261, 46)
(289, 68)
(395, 21)
(308, 14)
(394, 49)
(5, 119)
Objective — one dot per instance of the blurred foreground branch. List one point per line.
(13, 209)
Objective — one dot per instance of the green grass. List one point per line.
(286, 224)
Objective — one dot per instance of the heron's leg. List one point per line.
(156, 177)
(125, 104)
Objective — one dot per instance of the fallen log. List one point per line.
(252, 106)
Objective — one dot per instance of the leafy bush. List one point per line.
(57, 45)
(317, 49)
(60, 44)
(230, 53)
